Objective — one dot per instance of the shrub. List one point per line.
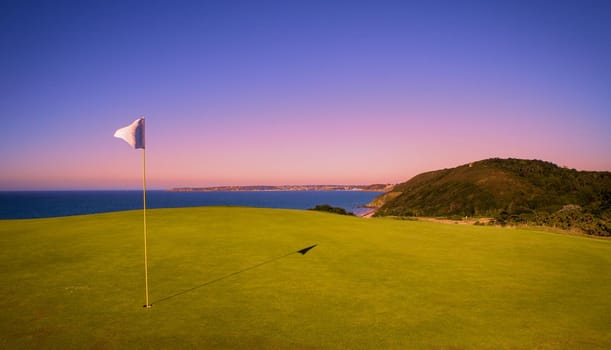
(329, 209)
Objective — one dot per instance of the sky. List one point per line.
(297, 92)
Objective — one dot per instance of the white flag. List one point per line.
(133, 133)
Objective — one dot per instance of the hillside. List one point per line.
(77, 283)
(514, 191)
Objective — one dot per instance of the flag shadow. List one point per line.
(301, 251)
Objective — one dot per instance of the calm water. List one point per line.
(40, 204)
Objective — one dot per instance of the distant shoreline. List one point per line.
(263, 188)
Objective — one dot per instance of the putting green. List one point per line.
(78, 282)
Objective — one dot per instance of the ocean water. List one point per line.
(41, 204)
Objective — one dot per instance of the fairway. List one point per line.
(78, 282)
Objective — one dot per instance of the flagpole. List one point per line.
(135, 136)
(146, 277)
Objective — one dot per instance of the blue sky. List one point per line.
(278, 92)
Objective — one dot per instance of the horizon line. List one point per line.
(173, 188)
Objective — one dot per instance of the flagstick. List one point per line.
(146, 277)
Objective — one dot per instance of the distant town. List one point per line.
(369, 188)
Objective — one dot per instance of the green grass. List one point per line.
(77, 282)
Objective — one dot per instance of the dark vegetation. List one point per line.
(329, 209)
(512, 191)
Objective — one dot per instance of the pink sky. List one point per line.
(389, 149)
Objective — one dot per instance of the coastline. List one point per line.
(285, 188)
(368, 214)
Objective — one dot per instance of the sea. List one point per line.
(44, 204)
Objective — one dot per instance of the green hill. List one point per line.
(77, 283)
(514, 191)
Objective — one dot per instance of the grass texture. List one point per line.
(78, 282)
